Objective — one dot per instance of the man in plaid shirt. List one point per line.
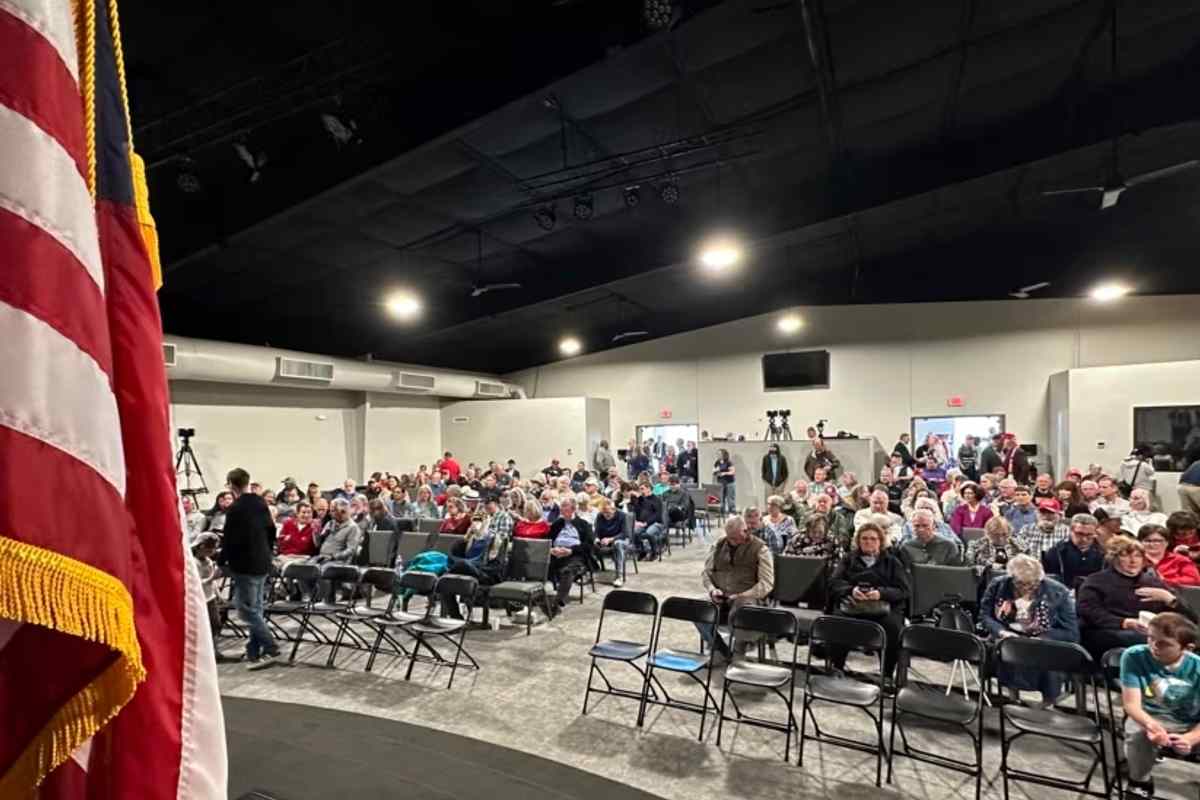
(1049, 529)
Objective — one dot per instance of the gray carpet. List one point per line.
(294, 752)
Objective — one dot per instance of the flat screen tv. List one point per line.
(1172, 434)
(808, 369)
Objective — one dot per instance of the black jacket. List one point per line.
(887, 575)
(1020, 471)
(1107, 597)
(989, 459)
(766, 470)
(647, 509)
(1069, 566)
(906, 456)
(371, 525)
(249, 541)
(825, 459)
(587, 540)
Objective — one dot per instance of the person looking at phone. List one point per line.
(1160, 691)
(739, 571)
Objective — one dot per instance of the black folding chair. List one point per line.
(700, 501)
(796, 578)
(379, 579)
(933, 584)
(396, 618)
(1076, 728)
(849, 634)
(445, 542)
(381, 548)
(446, 627)
(525, 583)
(949, 647)
(620, 601)
(683, 609)
(335, 575)
(752, 623)
(630, 552)
(295, 574)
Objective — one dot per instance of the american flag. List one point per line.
(107, 677)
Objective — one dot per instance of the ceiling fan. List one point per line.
(1024, 292)
(1115, 185)
(479, 290)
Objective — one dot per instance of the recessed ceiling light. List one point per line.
(1107, 292)
(719, 256)
(570, 346)
(403, 305)
(789, 323)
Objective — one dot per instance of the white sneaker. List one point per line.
(262, 662)
(618, 583)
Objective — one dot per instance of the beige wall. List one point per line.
(888, 364)
(1102, 401)
(402, 432)
(530, 431)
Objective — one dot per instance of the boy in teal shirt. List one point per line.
(1160, 690)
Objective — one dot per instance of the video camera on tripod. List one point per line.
(187, 465)
(778, 428)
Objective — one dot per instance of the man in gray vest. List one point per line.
(739, 571)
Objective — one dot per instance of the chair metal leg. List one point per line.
(337, 642)
(299, 636)
(588, 690)
(892, 741)
(721, 713)
(645, 695)
(804, 711)
(462, 637)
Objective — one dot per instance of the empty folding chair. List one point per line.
(933, 584)
(798, 579)
(849, 634)
(525, 582)
(620, 601)
(754, 622)
(446, 627)
(697, 612)
(396, 618)
(295, 575)
(335, 575)
(950, 647)
(1078, 728)
(376, 578)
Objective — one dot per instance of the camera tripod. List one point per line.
(187, 465)
(778, 429)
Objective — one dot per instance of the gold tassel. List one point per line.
(41, 587)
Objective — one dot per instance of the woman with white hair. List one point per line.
(1024, 602)
(1139, 513)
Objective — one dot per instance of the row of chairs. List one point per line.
(864, 693)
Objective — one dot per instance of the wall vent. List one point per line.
(168, 354)
(460, 420)
(489, 389)
(299, 370)
(412, 382)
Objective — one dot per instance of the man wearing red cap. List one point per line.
(1047, 530)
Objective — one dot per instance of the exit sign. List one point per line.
(665, 414)
(955, 401)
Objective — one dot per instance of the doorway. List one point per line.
(670, 434)
(953, 430)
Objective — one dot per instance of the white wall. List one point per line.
(530, 431)
(402, 432)
(888, 364)
(272, 432)
(598, 426)
(1102, 401)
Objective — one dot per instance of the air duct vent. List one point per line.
(412, 382)
(298, 370)
(489, 389)
(168, 354)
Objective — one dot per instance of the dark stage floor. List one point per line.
(294, 752)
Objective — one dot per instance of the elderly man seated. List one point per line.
(1078, 556)
(738, 571)
(1139, 513)
(611, 535)
(1110, 499)
(880, 506)
(1047, 530)
(571, 550)
(338, 542)
(940, 528)
(925, 546)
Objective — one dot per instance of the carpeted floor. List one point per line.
(294, 752)
(529, 693)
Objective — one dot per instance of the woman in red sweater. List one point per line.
(298, 537)
(531, 525)
(972, 512)
(457, 520)
(1172, 568)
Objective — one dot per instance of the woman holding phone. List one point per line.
(871, 583)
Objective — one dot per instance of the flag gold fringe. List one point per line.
(41, 587)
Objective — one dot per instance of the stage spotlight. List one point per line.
(403, 305)
(632, 196)
(187, 179)
(660, 14)
(669, 192)
(545, 218)
(583, 207)
(570, 346)
(1107, 292)
(718, 256)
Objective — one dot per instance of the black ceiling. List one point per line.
(864, 151)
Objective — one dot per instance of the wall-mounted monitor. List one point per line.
(1172, 434)
(807, 369)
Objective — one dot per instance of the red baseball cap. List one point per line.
(1049, 504)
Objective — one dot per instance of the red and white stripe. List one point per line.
(56, 357)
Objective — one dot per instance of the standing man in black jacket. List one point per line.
(247, 549)
(774, 473)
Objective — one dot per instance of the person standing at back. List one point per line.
(902, 447)
(774, 472)
(249, 543)
(603, 460)
(1189, 488)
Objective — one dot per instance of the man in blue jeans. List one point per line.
(246, 553)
